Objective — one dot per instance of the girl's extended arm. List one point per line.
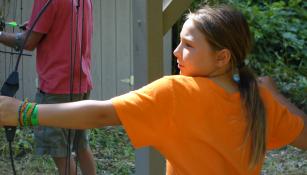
(301, 140)
(77, 115)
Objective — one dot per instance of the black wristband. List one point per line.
(18, 41)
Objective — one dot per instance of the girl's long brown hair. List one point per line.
(225, 27)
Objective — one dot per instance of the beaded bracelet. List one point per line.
(19, 112)
(27, 114)
(21, 109)
(24, 116)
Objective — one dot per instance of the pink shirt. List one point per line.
(53, 60)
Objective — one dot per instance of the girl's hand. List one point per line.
(8, 111)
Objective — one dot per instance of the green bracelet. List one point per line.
(34, 116)
(25, 121)
(29, 114)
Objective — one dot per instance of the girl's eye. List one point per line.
(188, 45)
(183, 42)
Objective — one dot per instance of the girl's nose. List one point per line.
(176, 52)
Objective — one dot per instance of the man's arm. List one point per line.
(15, 40)
(301, 140)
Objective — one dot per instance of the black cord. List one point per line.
(67, 167)
(12, 130)
(75, 50)
(22, 70)
(15, 53)
(12, 158)
(81, 46)
(76, 148)
(67, 162)
(72, 72)
(77, 135)
(14, 19)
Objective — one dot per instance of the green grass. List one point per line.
(286, 161)
(111, 148)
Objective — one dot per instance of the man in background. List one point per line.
(62, 40)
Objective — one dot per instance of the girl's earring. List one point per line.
(236, 77)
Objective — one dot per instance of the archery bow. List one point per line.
(11, 85)
(72, 63)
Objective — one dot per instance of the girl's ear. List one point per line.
(223, 57)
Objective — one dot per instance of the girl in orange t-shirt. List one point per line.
(203, 121)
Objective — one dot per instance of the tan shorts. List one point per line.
(54, 141)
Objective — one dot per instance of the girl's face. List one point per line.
(194, 55)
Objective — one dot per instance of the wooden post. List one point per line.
(151, 20)
(172, 10)
(147, 66)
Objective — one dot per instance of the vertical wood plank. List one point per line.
(97, 51)
(123, 48)
(27, 67)
(108, 45)
(167, 53)
(148, 66)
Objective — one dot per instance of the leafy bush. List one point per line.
(279, 29)
(280, 50)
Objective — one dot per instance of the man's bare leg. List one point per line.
(87, 162)
(60, 162)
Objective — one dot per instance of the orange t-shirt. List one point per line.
(198, 126)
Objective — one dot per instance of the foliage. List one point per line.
(280, 50)
(279, 29)
(111, 148)
(113, 151)
(288, 160)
